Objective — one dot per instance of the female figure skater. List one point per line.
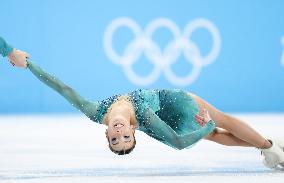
(174, 117)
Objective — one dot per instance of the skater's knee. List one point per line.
(222, 120)
(228, 122)
(211, 135)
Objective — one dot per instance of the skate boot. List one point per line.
(280, 143)
(273, 156)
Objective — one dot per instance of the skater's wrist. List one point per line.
(211, 122)
(18, 58)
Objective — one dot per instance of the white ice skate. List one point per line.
(274, 155)
(280, 143)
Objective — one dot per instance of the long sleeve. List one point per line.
(85, 106)
(5, 48)
(165, 132)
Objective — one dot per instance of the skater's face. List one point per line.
(120, 135)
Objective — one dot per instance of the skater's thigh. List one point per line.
(216, 131)
(218, 116)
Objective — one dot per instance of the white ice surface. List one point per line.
(49, 149)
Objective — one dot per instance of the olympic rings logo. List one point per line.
(162, 59)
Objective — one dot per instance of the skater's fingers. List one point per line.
(12, 63)
(26, 55)
(199, 117)
(199, 121)
(207, 113)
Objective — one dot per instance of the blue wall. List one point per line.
(66, 38)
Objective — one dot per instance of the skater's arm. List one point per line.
(191, 138)
(85, 106)
(5, 48)
(164, 131)
(16, 57)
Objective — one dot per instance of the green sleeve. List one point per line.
(87, 107)
(164, 131)
(5, 49)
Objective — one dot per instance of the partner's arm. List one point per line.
(5, 48)
(164, 131)
(85, 106)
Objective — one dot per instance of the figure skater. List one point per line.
(174, 117)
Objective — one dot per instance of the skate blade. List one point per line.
(271, 162)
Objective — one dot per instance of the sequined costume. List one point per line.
(165, 115)
(5, 48)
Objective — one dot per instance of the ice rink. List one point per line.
(49, 149)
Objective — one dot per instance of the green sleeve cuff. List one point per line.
(212, 123)
(208, 128)
(28, 64)
(5, 48)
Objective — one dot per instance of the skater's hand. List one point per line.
(18, 58)
(203, 118)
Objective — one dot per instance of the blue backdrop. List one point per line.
(101, 48)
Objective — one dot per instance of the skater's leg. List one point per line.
(222, 136)
(235, 126)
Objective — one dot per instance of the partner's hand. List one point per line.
(203, 118)
(18, 58)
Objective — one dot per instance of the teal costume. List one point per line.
(5, 49)
(165, 115)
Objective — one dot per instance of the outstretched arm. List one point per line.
(19, 58)
(85, 106)
(177, 141)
